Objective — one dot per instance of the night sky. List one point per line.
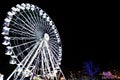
(88, 30)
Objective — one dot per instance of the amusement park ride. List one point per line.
(33, 43)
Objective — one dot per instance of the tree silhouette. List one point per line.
(90, 69)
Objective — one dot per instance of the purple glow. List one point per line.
(90, 69)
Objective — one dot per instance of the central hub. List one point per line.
(46, 37)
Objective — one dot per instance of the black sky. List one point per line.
(88, 30)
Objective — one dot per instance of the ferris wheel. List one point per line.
(33, 42)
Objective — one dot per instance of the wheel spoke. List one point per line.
(22, 38)
(24, 44)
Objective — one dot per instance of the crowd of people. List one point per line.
(79, 75)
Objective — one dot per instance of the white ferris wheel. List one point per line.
(33, 42)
